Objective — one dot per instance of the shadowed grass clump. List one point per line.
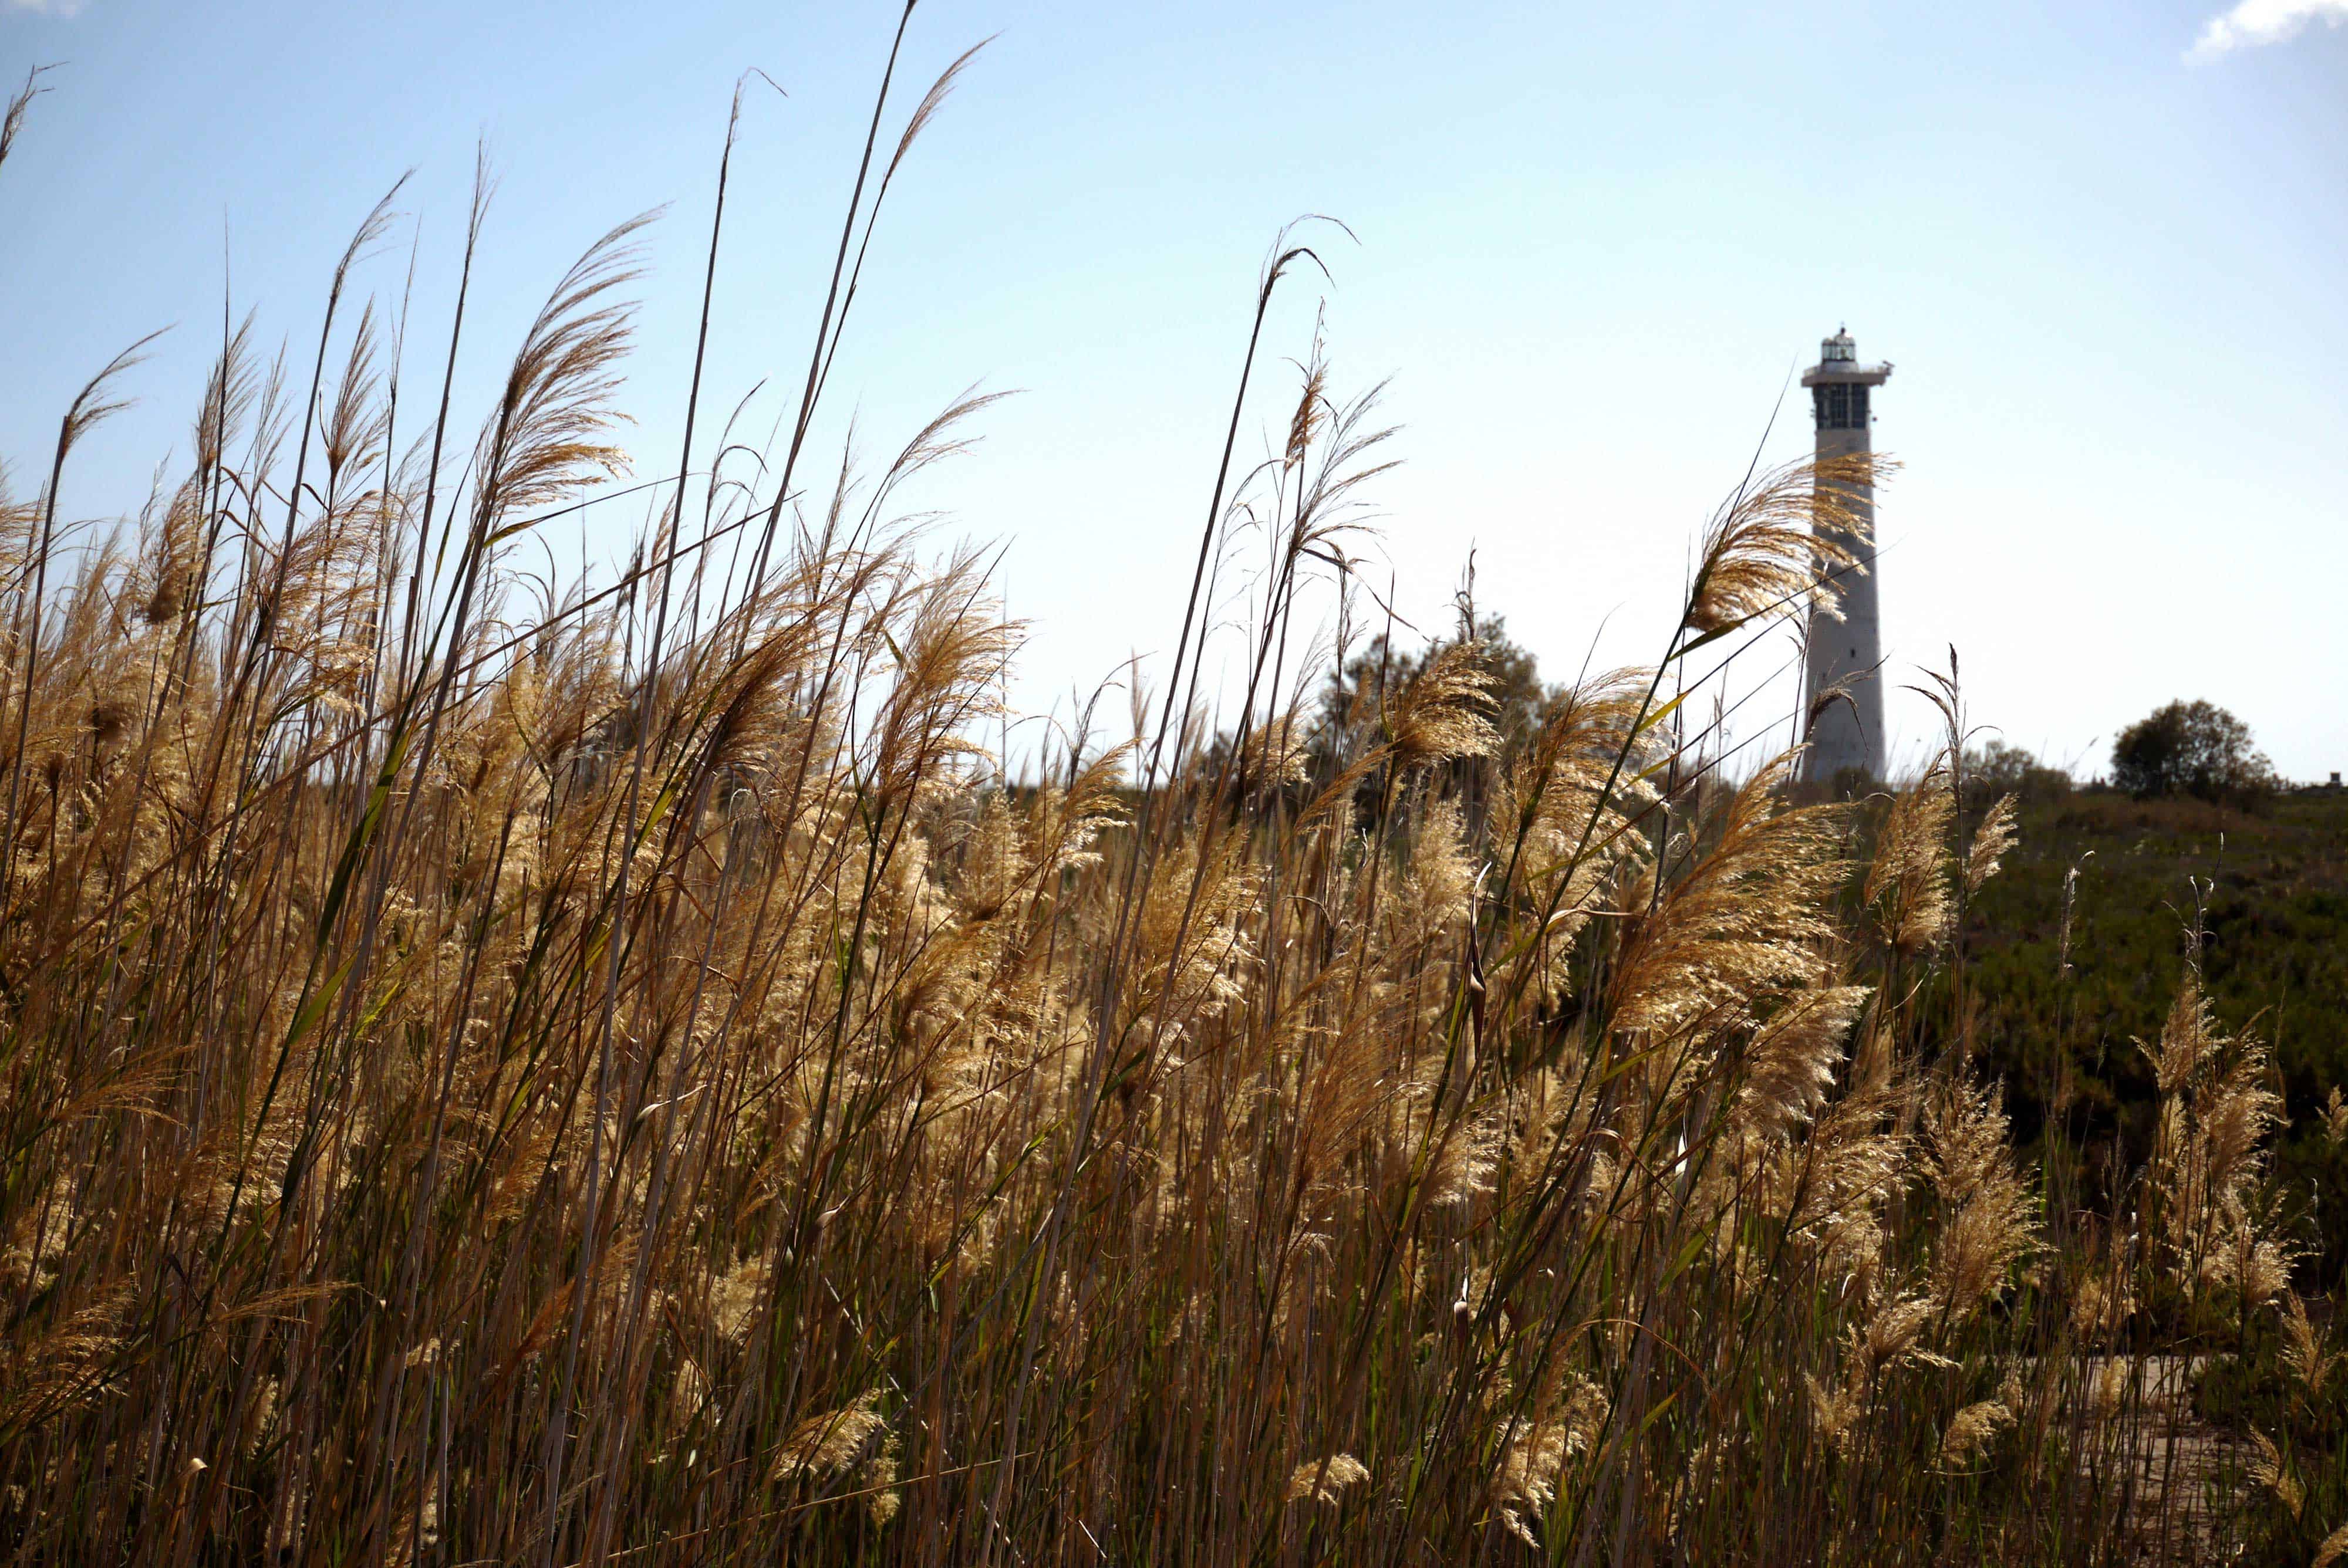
(497, 1073)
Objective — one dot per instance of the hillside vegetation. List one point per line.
(2267, 890)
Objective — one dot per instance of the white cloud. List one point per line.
(60, 9)
(2254, 22)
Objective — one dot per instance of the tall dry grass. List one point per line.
(500, 1074)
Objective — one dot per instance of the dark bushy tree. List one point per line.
(1520, 702)
(2190, 748)
(1999, 769)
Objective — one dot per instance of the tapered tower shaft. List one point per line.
(1844, 691)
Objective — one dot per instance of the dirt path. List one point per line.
(2180, 1475)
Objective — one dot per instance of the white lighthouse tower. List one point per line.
(1846, 735)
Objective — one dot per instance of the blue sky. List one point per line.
(2102, 243)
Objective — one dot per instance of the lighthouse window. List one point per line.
(1839, 406)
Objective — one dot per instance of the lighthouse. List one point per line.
(1846, 736)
